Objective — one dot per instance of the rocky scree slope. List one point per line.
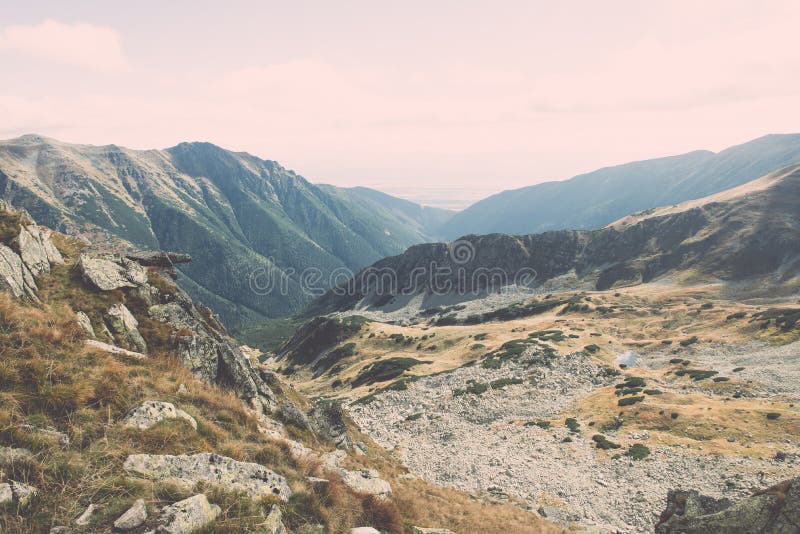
(234, 213)
(126, 407)
(752, 233)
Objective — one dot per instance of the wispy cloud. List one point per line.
(82, 45)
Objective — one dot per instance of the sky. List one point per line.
(438, 101)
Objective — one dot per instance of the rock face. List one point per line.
(110, 273)
(326, 419)
(775, 510)
(31, 253)
(254, 479)
(151, 412)
(135, 516)
(125, 327)
(188, 515)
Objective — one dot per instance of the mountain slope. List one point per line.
(592, 200)
(239, 217)
(752, 231)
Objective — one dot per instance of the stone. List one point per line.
(125, 326)
(86, 517)
(23, 493)
(423, 530)
(36, 250)
(158, 258)
(6, 495)
(775, 510)
(291, 414)
(330, 460)
(188, 515)
(60, 530)
(134, 517)
(254, 479)
(364, 530)
(317, 484)
(9, 455)
(108, 274)
(149, 413)
(274, 522)
(366, 481)
(327, 420)
(113, 349)
(14, 276)
(85, 323)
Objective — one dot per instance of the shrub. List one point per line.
(603, 443)
(627, 401)
(637, 451)
(674, 415)
(773, 415)
(573, 424)
(738, 369)
(383, 370)
(721, 379)
(591, 348)
(631, 382)
(690, 341)
(500, 383)
(653, 392)
(414, 416)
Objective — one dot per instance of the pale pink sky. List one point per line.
(478, 96)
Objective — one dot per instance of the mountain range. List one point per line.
(238, 216)
(593, 200)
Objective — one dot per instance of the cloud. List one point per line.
(83, 45)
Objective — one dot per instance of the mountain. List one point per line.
(595, 199)
(253, 227)
(745, 233)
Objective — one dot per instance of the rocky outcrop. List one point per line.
(158, 258)
(38, 253)
(775, 510)
(188, 515)
(85, 324)
(254, 479)
(86, 517)
(125, 327)
(326, 419)
(133, 517)
(149, 413)
(17, 493)
(109, 273)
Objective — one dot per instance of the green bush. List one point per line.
(603, 443)
(627, 401)
(591, 348)
(738, 369)
(500, 383)
(690, 341)
(637, 451)
(773, 415)
(653, 392)
(573, 424)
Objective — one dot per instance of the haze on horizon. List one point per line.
(424, 100)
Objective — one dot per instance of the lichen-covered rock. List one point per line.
(17, 493)
(125, 326)
(291, 414)
(188, 515)
(86, 517)
(14, 276)
(9, 455)
(149, 413)
(274, 522)
(113, 349)
(366, 481)
(6, 495)
(135, 516)
(327, 420)
(254, 479)
(85, 323)
(775, 510)
(107, 274)
(36, 250)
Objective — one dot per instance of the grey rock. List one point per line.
(86, 517)
(327, 420)
(149, 413)
(274, 522)
(85, 323)
(188, 515)
(135, 516)
(9, 455)
(125, 326)
(364, 530)
(366, 481)
(113, 349)
(775, 510)
(6, 495)
(14, 276)
(107, 274)
(36, 250)
(423, 530)
(254, 479)
(158, 258)
(290, 413)
(22, 493)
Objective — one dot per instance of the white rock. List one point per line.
(85, 323)
(364, 530)
(366, 481)
(151, 412)
(135, 516)
(6, 495)
(113, 349)
(188, 515)
(86, 516)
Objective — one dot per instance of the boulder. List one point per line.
(36, 250)
(135, 516)
(149, 413)
(158, 258)
(9, 455)
(113, 349)
(17, 493)
(14, 276)
(254, 479)
(364, 530)
(85, 323)
(775, 510)
(366, 481)
(109, 273)
(6, 495)
(274, 522)
(291, 414)
(188, 515)
(86, 517)
(327, 420)
(125, 326)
